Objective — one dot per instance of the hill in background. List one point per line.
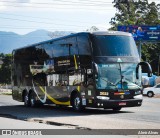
(10, 40)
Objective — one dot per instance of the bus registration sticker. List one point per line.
(122, 103)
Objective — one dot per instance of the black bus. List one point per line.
(99, 69)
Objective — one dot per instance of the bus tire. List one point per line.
(26, 99)
(32, 99)
(77, 102)
(117, 109)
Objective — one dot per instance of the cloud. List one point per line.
(2, 6)
(55, 5)
(23, 1)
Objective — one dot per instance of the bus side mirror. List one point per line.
(146, 64)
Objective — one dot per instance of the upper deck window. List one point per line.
(83, 45)
(113, 45)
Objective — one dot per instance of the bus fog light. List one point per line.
(98, 104)
(102, 104)
(138, 96)
(103, 98)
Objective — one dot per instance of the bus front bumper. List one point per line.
(117, 103)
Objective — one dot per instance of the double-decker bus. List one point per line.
(98, 69)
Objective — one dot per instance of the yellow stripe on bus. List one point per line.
(78, 88)
(54, 100)
(75, 61)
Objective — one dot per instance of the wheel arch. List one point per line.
(150, 91)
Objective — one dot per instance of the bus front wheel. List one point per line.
(77, 102)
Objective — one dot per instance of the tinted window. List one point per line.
(114, 46)
(72, 44)
(60, 48)
(48, 49)
(83, 45)
(158, 86)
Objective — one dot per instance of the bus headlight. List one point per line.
(137, 92)
(103, 98)
(138, 96)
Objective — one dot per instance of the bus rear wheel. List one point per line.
(32, 99)
(26, 99)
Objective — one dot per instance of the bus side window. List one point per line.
(73, 47)
(57, 80)
(53, 80)
(89, 76)
(76, 78)
(64, 80)
(83, 45)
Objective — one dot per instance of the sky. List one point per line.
(24, 16)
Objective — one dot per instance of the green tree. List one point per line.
(5, 70)
(139, 12)
(135, 12)
(92, 29)
(1, 55)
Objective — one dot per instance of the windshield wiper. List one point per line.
(121, 74)
(109, 82)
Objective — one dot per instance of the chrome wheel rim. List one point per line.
(26, 100)
(77, 102)
(32, 101)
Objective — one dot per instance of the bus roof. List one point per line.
(75, 34)
(51, 40)
(111, 33)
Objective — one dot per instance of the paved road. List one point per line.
(145, 117)
(9, 123)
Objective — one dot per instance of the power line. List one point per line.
(59, 8)
(13, 27)
(84, 1)
(53, 4)
(42, 18)
(60, 2)
(38, 22)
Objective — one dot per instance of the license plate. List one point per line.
(122, 103)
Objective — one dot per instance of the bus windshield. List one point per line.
(117, 76)
(113, 45)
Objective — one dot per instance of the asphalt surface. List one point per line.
(145, 117)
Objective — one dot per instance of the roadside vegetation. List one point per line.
(140, 12)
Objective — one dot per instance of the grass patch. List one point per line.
(5, 93)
